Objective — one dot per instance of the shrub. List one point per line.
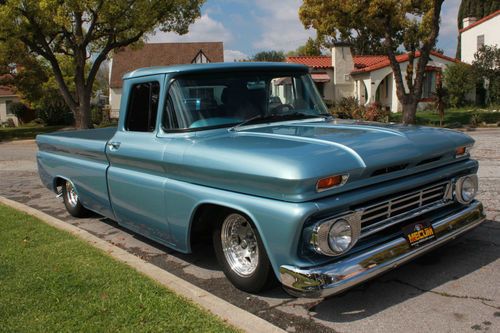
(459, 79)
(349, 108)
(20, 110)
(475, 120)
(96, 115)
(375, 112)
(53, 115)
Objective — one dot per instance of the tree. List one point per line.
(486, 65)
(82, 30)
(310, 48)
(459, 80)
(392, 24)
(273, 56)
(336, 21)
(34, 82)
(474, 8)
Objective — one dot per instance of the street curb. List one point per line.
(229, 313)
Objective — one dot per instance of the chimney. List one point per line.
(468, 21)
(342, 63)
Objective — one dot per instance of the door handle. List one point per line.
(114, 145)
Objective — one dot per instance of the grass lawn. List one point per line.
(18, 133)
(454, 117)
(50, 281)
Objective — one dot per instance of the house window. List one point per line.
(200, 58)
(429, 84)
(480, 41)
(143, 107)
(8, 108)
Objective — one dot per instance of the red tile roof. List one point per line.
(326, 61)
(6, 91)
(367, 60)
(383, 61)
(484, 19)
(362, 64)
(312, 61)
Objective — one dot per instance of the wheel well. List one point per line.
(204, 219)
(58, 181)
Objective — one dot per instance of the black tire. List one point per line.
(262, 277)
(72, 202)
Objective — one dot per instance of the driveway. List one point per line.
(453, 289)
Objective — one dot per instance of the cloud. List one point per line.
(232, 55)
(448, 30)
(205, 29)
(280, 25)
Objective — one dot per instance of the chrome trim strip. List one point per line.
(338, 276)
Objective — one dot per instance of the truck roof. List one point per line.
(217, 67)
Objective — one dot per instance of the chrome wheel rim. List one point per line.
(239, 244)
(71, 195)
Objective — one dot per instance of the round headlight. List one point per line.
(336, 236)
(469, 189)
(340, 236)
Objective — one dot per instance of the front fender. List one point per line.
(279, 223)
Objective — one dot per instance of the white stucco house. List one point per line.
(476, 33)
(367, 78)
(7, 97)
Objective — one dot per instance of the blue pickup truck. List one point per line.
(248, 154)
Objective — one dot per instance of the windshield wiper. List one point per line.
(251, 119)
(290, 116)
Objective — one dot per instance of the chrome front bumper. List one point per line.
(334, 278)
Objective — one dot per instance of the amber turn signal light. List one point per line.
(461, 151)
(330, 182)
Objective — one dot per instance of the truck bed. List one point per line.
(81, 157)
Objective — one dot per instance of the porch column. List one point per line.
(370, 94)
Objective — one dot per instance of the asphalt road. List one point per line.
(453, 289)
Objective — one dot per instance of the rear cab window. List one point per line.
(142, 108)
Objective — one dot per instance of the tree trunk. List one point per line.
(81, 112)
(409, 112)
(83, 120)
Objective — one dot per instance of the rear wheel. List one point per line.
(241, 254)
(72, 202)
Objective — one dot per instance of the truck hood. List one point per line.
(285, 160)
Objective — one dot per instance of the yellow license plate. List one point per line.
(419, 232)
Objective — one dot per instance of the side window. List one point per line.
(142, 107)
(480, 41)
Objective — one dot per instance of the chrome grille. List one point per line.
(387, 213)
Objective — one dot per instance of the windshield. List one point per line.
(228, 99)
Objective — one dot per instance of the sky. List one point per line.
(249, 26)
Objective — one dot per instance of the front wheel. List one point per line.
(72, 202)
(240, 252)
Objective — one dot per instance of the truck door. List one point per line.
(135, 177)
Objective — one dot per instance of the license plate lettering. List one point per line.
(419, 232)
